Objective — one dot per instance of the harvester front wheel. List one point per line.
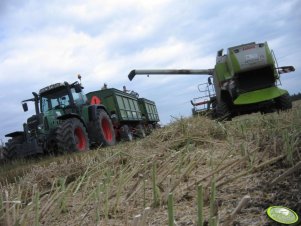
(104, 129)
(72, 136)
(222, 111)
(283, 102)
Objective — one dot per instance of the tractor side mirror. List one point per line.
(78, 88)
(25, 107)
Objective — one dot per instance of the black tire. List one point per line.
(213, 102)
(222, 111)
(150, 128)
(125, 133)
(72, 136)
(140, 132)
(105, 134)
(284, 102)
(10, 150)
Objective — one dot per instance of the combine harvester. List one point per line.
(245, 80)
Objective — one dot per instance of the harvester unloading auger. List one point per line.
(245, 80)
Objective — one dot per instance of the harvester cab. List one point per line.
(245, 80)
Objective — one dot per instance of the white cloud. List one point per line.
(47, 42)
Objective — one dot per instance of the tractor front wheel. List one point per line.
(72, 136)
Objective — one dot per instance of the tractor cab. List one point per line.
(52, 101)
(61, 96)
(57, 96)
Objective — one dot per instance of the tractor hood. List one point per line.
(259, 96)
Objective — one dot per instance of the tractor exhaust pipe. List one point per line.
(133, 73)
(36, 102)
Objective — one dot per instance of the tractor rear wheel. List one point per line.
(10, 150)
(104, 129)
(283, 102)
(222, 111)
(125, 133)
(72, 136)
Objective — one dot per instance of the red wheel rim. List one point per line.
(80, 139)
(105, 124)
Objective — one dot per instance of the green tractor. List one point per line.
(63, 122)
(131, 116)
(245, 80)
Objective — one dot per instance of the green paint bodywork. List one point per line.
(268, 53)
(124, 104)
(222, 71)
(243, 59)
(51, 117)
(259, 96)
(149, 110)
(232, 60)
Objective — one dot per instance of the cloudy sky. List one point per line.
(44, 42)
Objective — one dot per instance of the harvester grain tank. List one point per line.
(245, 80)
(63, 122)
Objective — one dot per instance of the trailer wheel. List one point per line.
(284, 102)
(125, 133)
(140, 132)
(105, 134)
(10, 150)
(149, 129)
(72, 136)
(222, 111)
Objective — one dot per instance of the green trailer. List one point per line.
(124, 109)
(149, 112)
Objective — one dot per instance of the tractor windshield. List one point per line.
(55, 99)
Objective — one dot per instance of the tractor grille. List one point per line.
(255, 79)
(32, 124)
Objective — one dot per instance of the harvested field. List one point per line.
(129, 184)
